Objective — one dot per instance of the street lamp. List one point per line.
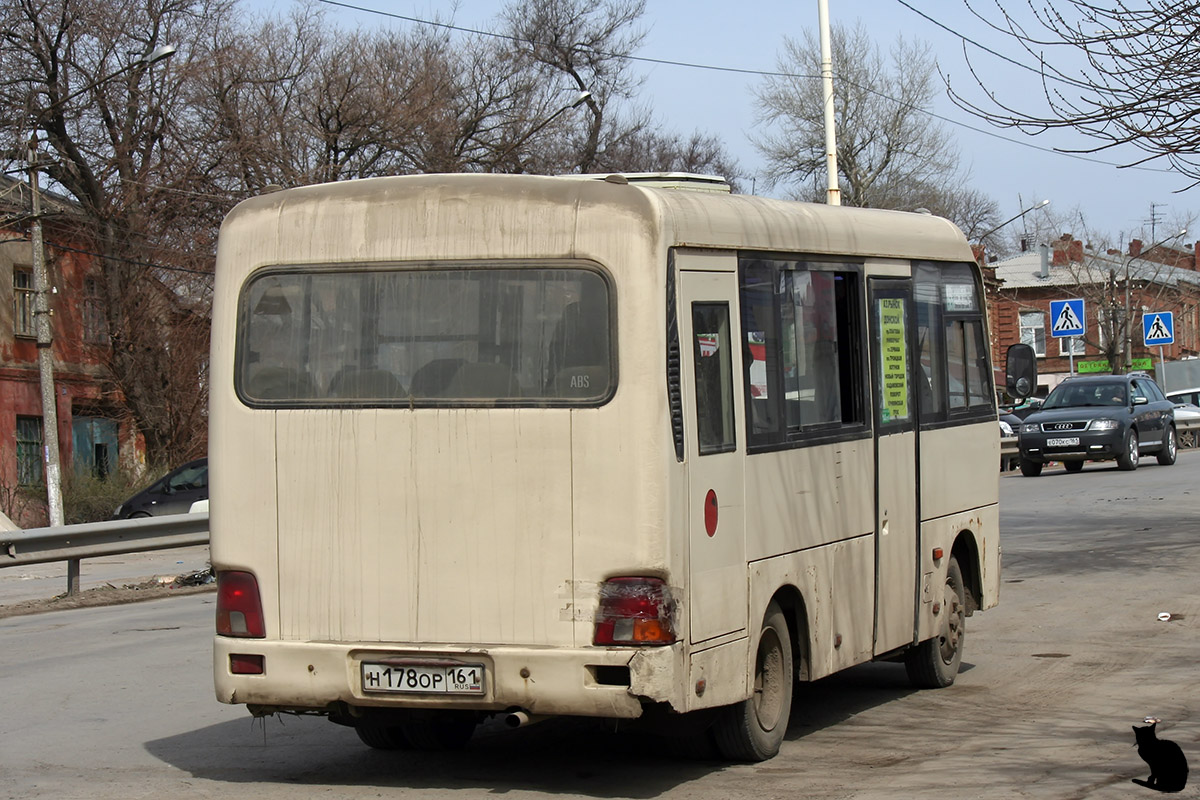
(1042, 204)
(582, 98)
(41, 303)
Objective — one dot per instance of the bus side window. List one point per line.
(713, 356)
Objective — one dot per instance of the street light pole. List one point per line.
(1042, 204)
(52, 471)
(582, 98)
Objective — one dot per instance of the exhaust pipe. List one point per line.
(520, 718)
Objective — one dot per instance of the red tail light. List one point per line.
(636, 611)
(239, 606)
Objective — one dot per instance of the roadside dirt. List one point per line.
(108, 595)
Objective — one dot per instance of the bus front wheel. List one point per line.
(933, 664)
(753, 729)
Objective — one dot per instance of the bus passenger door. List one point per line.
(711, 364)
(896, 520)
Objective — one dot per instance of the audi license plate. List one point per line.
(1068, 441)
(423, 678)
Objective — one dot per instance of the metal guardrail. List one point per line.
(72, 543)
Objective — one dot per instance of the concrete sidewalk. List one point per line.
(45, 581)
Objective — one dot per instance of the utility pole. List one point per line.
(41, 309)
(45, 348)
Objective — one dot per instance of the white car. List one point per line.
(1187, 412)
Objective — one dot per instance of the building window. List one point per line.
(1033, 331)
(23, 302)
(1070, 345)
(95, 324)
(29, 451)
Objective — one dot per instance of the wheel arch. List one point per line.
(966, 552)
(791, 602)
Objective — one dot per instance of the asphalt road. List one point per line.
(117, 702)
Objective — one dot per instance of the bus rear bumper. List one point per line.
(320, 677)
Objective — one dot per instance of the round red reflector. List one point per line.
(710, 512)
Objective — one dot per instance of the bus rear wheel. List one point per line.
(933, 664)
(753, 729)
(427, 729)
(383, 737)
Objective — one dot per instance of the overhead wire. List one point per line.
(776, 74)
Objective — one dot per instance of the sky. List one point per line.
(1014, 169)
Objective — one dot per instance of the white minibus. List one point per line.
(612, 446)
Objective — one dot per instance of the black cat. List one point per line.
(1168, 767)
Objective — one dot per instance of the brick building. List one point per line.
(94, 435)
(1113, 284)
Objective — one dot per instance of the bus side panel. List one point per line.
(948, 479)
(622, 455)
(830, 580)
(241, 443)
(980, 527)
(810, 496)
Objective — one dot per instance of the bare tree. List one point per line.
(891, 154)
(1121, 73)
(76, 78)
(586, 44)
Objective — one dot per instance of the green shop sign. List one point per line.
(1088, 367)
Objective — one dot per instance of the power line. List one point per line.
(989, 50)
(774, 74)
(132, 261)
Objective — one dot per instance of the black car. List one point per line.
(174, 493)
(1099, 418)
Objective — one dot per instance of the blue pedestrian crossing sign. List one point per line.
(1158, 327)
(1066, 317)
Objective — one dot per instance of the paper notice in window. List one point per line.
(893, 360)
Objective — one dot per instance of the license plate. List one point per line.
(1069, 441)
(423, 678)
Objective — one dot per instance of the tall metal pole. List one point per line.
(45, 349)
(833, 193)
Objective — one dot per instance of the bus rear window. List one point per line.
(420, 337)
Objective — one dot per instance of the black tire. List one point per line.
(934, 663)
(1127, 459)
(383, 737)
(1030, 468)
(438, 730)
(753, 729)
(1170, 447)
(1073, 466)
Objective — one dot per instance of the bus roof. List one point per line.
(688, 211)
